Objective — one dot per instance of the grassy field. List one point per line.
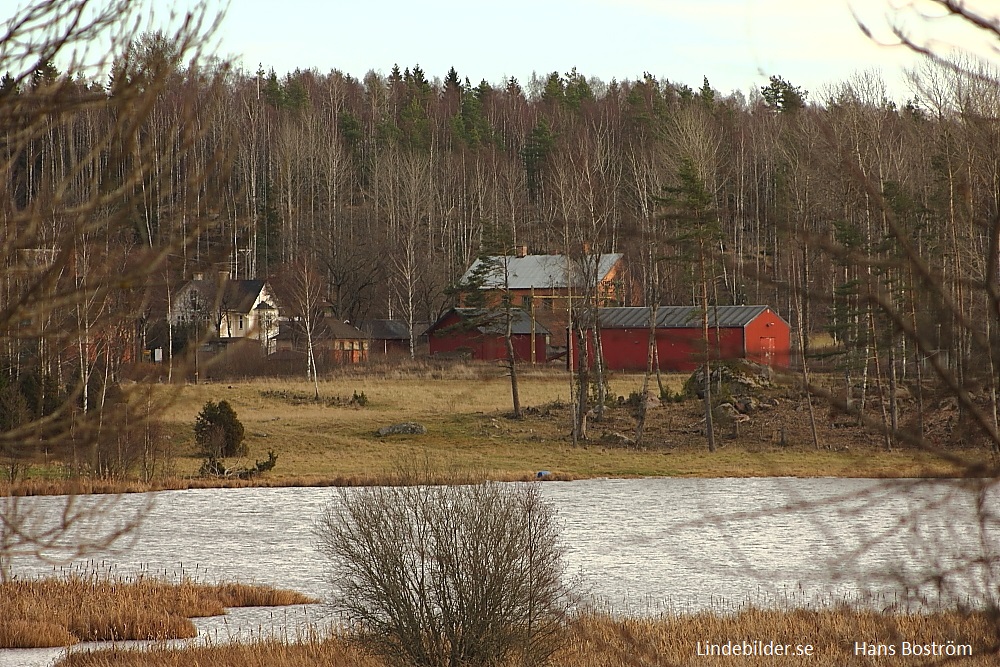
(599, 641)
(465, 409)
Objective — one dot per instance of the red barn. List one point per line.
(480, 334)
(756, 333)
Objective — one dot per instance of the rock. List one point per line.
(618, 439)
(746, 404)
(652, 400)
(737, 377)
(406, 428)
(728, 411)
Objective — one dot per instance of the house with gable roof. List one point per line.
(545, 285)
(231, 309)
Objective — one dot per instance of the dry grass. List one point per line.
(464, 407)
(63, 611)
(599, 641)
(266, 653)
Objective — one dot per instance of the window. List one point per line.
(241, 323)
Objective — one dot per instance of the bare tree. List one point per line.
(306, 290)
(75, 167)
(438, 576)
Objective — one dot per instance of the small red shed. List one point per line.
(756, 333)
(480, 334)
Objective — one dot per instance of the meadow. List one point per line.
(466, 411)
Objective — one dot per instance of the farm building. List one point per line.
(544, 285)
(334, 342)
(479, 334)
(735, 332)
(391, 338)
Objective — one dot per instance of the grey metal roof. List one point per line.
(678, 317)
(538, 271)
(385, 329)
(493, 321)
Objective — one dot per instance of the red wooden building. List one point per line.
(756, 333)
(480, 334)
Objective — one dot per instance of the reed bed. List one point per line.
(595, 640)
(331, 652)
(61, 611)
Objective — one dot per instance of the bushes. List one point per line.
(448, 575)
(218, 431)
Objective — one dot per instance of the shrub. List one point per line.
(218, 431)
(448, 575)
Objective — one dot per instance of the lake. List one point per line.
(632, 546)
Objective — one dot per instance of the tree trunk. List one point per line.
(650, 354)
(706, 365)
(515, 396)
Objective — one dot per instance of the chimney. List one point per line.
(223, 276)
(586, 248)
(522, 251)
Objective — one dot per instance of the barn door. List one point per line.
(767, 350)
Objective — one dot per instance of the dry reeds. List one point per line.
(331, 652)
(832, 633)
(599, 640)
(62, 611)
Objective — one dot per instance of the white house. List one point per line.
(232, 309)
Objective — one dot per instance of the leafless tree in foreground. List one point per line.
(441, 576)
(81, 176)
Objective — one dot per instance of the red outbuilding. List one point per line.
(756, 333)
(480, 335)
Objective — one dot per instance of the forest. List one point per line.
(858, 218)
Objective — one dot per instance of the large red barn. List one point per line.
(480, 334)
(756, 333)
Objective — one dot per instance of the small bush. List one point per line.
(668, 396)
(218, 431)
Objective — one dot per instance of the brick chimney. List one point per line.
(522, 251)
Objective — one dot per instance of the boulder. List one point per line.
(406, 428)
(739, 377)
(619, 439)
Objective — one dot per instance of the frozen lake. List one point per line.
(634, 546)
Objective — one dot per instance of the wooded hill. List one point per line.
(391, 186)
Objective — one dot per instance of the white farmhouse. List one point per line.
(231, 309)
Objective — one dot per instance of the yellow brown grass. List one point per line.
(62, 611)
(598, 641)
(265, 653)
(673, 640)
(333, 442)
